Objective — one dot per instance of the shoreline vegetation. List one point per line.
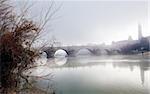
(18, 35)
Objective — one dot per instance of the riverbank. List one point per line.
(145, 54)
(35, 90)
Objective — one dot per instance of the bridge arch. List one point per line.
(43, 54)
(84, 51)
(61, 52)
(46, 53)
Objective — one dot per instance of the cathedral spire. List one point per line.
(139, 32)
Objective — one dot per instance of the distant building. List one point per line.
(133, 46)
(130, 38)
(130, 41)
(140, 36)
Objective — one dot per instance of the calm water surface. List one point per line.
(98, 75)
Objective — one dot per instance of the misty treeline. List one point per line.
(17, 35)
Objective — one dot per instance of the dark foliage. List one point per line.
(16, 37)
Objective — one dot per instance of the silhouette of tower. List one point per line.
(139, 32)
(142, 73)
(130, 38)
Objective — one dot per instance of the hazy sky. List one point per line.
(83, 22)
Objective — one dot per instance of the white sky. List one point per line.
(86, 21)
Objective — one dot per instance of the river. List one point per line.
(98, 74)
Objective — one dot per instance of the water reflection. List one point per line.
(102, 75)
(60, 60)
(144, 66)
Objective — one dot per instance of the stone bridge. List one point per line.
(73, 50)
(121, 47)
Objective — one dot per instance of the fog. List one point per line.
(83, 22)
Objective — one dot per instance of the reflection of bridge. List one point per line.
(73, 50)
(142, 64)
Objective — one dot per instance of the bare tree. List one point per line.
(17, 35)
